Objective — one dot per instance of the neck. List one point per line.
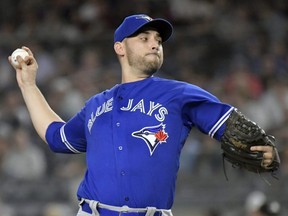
(132, 75)
(127, 79)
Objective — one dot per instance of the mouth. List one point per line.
(136, 134)
(154, 54)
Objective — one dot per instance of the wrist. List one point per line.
(28, 87)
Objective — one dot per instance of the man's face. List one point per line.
(144, 51)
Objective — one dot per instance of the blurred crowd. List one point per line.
(238, 50)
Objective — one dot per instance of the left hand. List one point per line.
(268, 154)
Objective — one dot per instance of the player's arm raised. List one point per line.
(40, 112)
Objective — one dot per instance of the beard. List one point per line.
(148, 64)
(149, 67)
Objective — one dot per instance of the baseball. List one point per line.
(18, 52)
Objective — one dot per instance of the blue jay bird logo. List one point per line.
(142, 16)
(152, 136)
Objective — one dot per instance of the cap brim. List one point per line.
(164, 28)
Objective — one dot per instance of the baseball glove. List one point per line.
(239, 135)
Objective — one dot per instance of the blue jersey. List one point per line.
(133, 135)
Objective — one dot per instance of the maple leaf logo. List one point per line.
(161, 136)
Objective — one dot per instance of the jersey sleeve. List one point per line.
(67, 137)
(205, 111)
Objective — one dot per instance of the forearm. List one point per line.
(40, 112)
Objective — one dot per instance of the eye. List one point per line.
(143, 38)
(146, 132)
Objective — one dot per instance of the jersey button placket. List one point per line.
(119, 138)
(120, 148)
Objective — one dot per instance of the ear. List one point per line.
(118, 48)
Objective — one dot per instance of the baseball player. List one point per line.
(133, 133)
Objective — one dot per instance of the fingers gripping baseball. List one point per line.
(26, 68)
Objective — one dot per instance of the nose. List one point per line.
(155, 45)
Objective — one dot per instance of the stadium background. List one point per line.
(235, 49)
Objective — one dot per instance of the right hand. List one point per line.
(26, 73)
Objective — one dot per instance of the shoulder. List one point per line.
(178, 85)
(184, 91)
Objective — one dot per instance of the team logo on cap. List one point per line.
(153, 136)
(144, 17)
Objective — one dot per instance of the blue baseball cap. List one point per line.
(133, 23)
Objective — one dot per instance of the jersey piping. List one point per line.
(220, 122)
(66, 142)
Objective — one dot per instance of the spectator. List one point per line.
(24, 160)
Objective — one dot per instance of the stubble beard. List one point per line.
(150, 67)
(147, 66)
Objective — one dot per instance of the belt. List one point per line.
(86, 208)
(90, 206)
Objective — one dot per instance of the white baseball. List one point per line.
(18, 52)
